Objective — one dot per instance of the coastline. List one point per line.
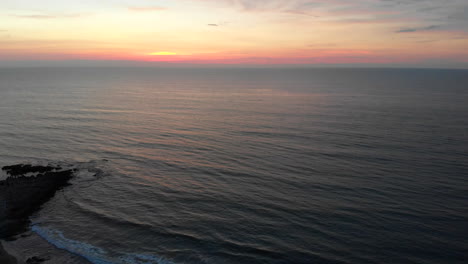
(22, 195)
(29, 247)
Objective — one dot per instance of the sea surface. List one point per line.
(246, 165)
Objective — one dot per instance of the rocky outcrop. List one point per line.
(22, 193)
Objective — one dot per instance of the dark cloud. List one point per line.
(299, 12)
(219, 24)
(460, 15)
(415, 29)
(450, 15)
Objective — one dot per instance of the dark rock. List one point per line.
(21, 196)
(37, 260)
(21, 169)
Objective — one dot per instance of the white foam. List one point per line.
(92, 253)
(85, 172)
(3, 175)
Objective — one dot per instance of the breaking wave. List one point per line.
(92, 253)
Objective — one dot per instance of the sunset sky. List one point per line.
(381, 32)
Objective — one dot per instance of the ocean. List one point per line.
(246, 165)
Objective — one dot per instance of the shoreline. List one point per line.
(23, 195)
(29, 247)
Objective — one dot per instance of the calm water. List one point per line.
(247, 166)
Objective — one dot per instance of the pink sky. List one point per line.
(427, 32)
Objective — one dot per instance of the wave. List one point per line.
(93, 253)
(85, 174)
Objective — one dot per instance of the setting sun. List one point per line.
(163, 53)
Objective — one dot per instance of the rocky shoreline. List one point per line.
(30, 248)
(26, 188)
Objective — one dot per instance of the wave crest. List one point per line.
(93, 253)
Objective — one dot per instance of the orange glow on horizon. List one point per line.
(186, 31)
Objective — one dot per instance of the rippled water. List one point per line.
(247, 165)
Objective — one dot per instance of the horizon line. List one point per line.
(84, 63)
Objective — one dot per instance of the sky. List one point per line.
(419, 33)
